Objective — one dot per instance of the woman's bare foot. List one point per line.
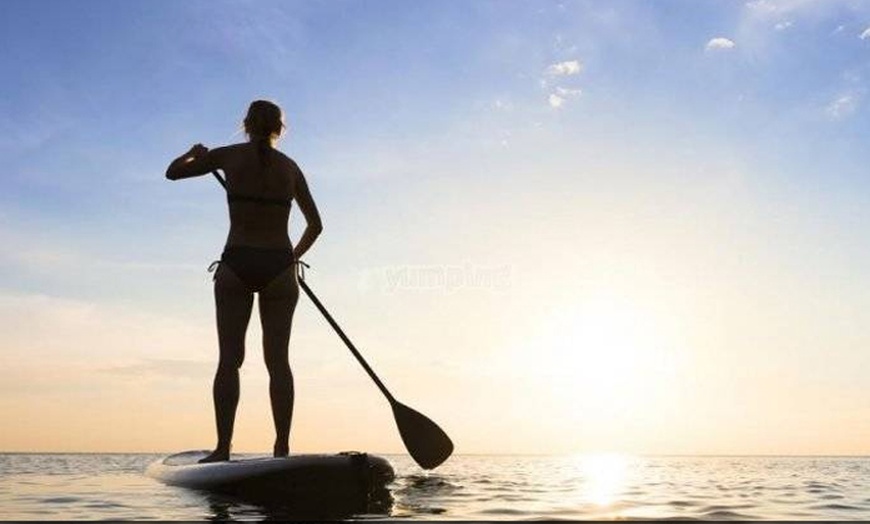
(218, 455)
(281, 450)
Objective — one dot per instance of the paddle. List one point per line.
(427, 443)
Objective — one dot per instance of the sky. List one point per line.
(551, 226)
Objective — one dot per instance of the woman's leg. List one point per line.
(277, 303)
(233, 303)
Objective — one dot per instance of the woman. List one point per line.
(258, 258)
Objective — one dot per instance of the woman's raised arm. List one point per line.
(197, 161)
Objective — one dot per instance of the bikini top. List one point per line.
(259, 200)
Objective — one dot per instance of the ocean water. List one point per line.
(114, 486)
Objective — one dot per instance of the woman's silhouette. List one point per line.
(258, 258)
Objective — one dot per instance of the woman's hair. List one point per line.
(264, 124)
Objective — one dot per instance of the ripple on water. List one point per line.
(106, 505)
(510, 512)
(727, 511)
(726, 507)
(428, 482)
(682, 503)
(61, 500)
(835, 507)
(725, 514)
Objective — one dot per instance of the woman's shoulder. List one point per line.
(288, 162)
(283, 156)
(240, 146)
(227, 150)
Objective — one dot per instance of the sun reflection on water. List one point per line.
(605, 476)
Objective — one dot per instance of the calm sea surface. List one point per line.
(113, 486)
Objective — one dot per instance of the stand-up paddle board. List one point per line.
(350, 477)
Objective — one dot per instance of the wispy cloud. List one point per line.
(569, 67)
(719, 43)
(773, 7)
(40, 253)
(557, 96)
(762, 6)
(500, 104)
(842, 107)
(555, 101)
(175, 368)
(865, 34)
(563, 91)
(17, 137)
(561, 95)
(37, 327)
(762, 23)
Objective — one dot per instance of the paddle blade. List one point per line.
(427, 443)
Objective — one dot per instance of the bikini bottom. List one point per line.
(257, 266)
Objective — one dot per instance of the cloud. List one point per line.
(762, 23)
(562, 91)
(558, 95)
(762, 6)
(842, 107)
(865, 34)
(719, 43)
(772, 7)
(569, 67)
(556, 101)
(561, 95)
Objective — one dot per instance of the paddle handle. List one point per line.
(347, 342)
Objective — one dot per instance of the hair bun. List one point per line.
(264, 120)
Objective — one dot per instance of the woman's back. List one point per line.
(259, 192)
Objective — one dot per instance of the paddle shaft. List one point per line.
(334, 325)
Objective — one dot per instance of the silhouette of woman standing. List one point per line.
(258, 258)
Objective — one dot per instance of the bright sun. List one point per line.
(605, 357)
